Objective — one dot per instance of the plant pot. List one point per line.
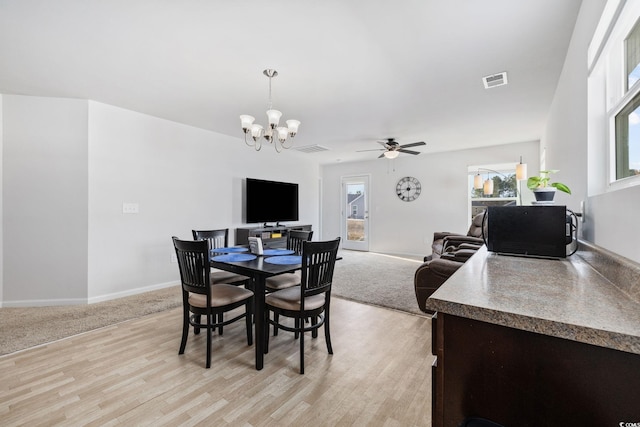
(544, 194)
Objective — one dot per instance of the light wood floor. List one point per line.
(131, 374)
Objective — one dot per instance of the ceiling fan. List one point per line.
(392, 149)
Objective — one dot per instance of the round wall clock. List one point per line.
(408, 189)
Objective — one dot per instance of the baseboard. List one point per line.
(44, 302)
(130, 292)
(92, 300)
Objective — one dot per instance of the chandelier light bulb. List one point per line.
(293, 125)
(246, 122)
(274, 118)
(283, 132)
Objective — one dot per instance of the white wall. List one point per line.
(70, 164)
(182, 178)
(408, 227)
(576, 144)
(45, 200)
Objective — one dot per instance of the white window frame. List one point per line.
(607, 70)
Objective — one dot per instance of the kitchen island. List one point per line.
(535, 342)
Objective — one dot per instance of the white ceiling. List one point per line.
(351, 71)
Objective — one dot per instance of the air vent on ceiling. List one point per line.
(495, 80)
(311, 148)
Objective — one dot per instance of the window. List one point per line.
(626, 121)
(627, 125)
(499, 186)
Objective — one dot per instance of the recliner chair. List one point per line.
(430, 275)
(445, 241)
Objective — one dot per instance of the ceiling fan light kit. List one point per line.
(273, 133)
(392, 149)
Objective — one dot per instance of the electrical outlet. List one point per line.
(130, 208)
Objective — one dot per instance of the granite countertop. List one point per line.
(564, 298)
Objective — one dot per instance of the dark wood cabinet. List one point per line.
(519, 378)
(272, 237)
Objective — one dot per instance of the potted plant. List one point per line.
(543, 189)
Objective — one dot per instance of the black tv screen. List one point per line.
(270, 201)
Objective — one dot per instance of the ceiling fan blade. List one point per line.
(384, 144)
(381, 156)
(408, 151)
(375, 149)
(414, 144)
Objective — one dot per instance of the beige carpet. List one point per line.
(367, 277)
(29, 326)
(378, 279)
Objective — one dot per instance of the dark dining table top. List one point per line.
(257, 266)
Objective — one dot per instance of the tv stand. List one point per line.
(273, 236)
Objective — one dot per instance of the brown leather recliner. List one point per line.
(430, 275)
(444, 241)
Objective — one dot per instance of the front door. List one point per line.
(355, 212)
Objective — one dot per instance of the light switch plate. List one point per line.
(130, 208)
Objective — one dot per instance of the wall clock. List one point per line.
(408, 189)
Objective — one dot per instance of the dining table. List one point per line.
(258, 268)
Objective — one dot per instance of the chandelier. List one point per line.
(273, 133)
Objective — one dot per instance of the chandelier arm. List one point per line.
(285, 147)
(275, 145)
(247, 141)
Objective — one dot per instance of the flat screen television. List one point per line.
(270, 201)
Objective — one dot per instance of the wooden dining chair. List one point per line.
(202, 299)
(220, 239)
(288, 280)
(310, 300)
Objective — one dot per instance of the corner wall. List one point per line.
(44, 200)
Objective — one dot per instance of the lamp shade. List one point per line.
(293, 125)
(274, 118)
(246, 121)
(477, 182)
(256, 131)
(391, 154)
(521, 171)
(283, 132)
(488, 187)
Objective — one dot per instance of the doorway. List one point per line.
(355, 212)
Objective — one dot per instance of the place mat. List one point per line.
(234, 257)
(284, 260)
(277, 252)
(230, 249)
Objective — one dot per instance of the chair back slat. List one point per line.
(216, 238)
(193, 262)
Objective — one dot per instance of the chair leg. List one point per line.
(314, 321)
(209, 333)
(276, 318)
(249, 323)
(185, 330)
(265, 332)
(220, 320)
(196, 330)
(327, 333)
(301, 347)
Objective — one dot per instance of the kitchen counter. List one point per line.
(565, 298)
(530, 342)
